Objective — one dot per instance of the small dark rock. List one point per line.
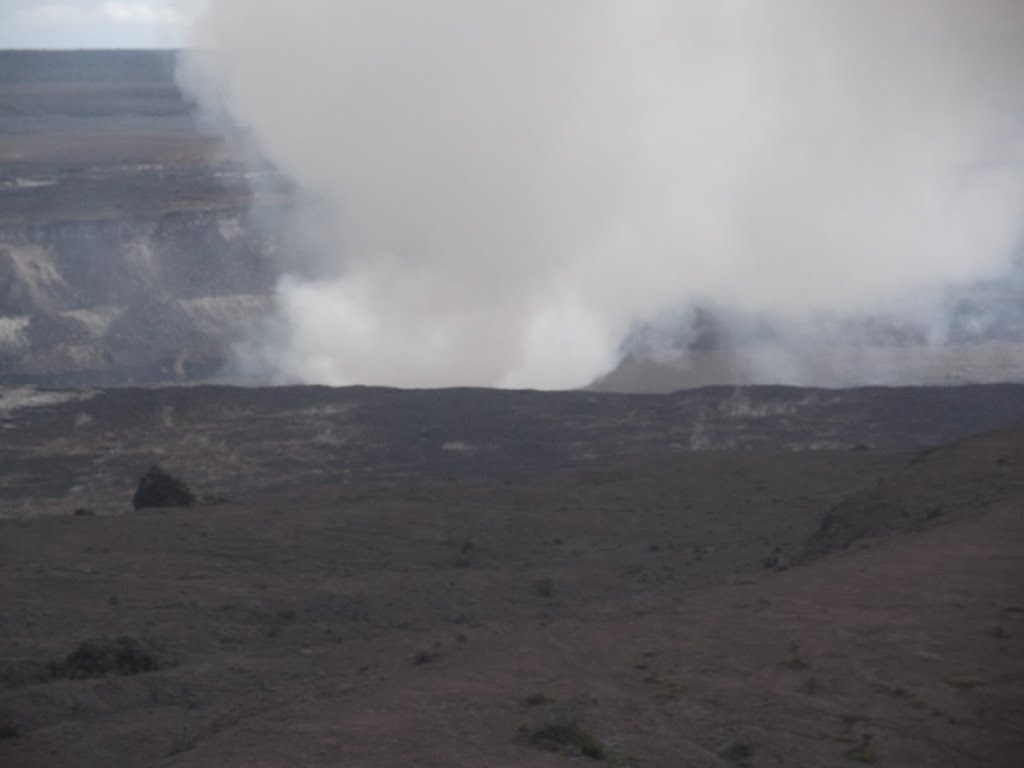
(84, 512)
(157, 488)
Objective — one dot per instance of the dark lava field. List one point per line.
(756, 576)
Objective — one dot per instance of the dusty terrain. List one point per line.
(763, 577)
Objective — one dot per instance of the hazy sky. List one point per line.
(90, 24)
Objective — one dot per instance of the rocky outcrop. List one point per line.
(939, 485)
(132, 299)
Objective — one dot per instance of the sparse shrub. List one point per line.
(965, 682)
(464, 557)
(424, 657)
(851, 719)
(545, 587)
(862, 752)
(157, 488)
(97, 658)
(536, 700)
(184, 741)
(893, 690)
(595, 751)
(796, 664)
(738, 752)
(566, 736)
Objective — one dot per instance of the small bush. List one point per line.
(98, 658)
(545, 587)
(424, 657)
(567, 737)
(862, 753)
(8, 731)
(796, 664)
(536, 700)
(184, 741)
(738, 751)
(893, 690)
(157, 488)
(964, 683)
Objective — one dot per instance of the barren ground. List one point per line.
(415, 597)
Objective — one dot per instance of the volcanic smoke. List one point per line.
(500, 193)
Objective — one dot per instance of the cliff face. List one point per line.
(129, 299)
(129, 249)
(186, 254)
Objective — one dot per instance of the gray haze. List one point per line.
(93, 23)
(502, 191)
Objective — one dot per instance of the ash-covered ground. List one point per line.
(758, 576)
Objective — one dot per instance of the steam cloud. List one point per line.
(506, 189)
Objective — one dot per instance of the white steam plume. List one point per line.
(510, 186)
